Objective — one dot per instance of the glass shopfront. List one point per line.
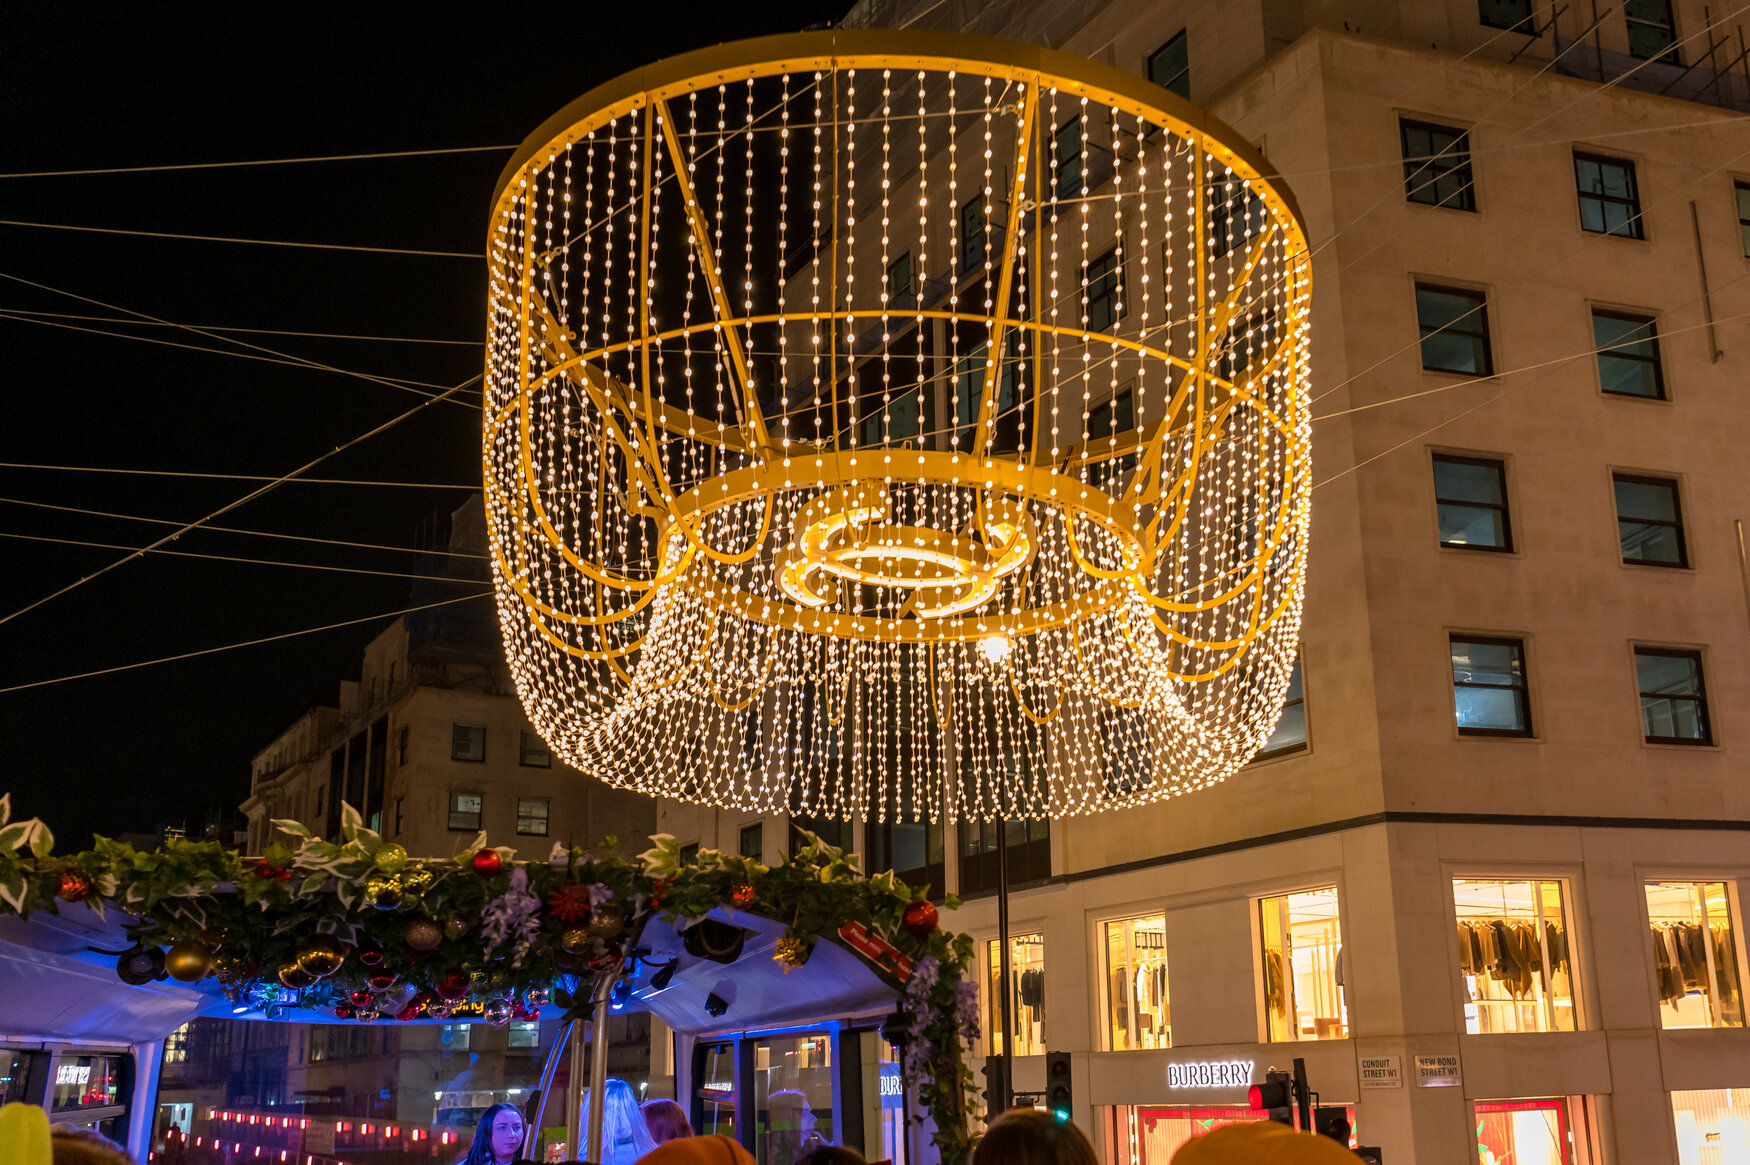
(1514, 956)
(1302, 966)
(1713, 1126)
(1526, 1132)
(1695, 950)
(1138, 1014)
(1151, 1134)
(1027, 981)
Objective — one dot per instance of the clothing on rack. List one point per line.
(1510, 952)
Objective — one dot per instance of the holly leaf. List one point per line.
(5, 808)
(42, 841)
(313, 883)
(350, 821)
(13, 888)
(14, 835)
(295, 828)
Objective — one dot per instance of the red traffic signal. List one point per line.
(1270, 1094)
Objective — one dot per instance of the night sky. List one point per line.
(85, 86)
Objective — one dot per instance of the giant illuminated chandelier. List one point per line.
(897, 425)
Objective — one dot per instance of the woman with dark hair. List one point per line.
(1027, 1136)
(499, 1138)
(665, 1119)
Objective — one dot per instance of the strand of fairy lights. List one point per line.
(1140, 652)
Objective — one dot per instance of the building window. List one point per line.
(1029, 853)
(1488, 686)
(1610, 203)
(526, 1036)
(916, 852)
(1711, 1124)
(974, 235)
(1628, 354)
(752, 843)
(321, 800)
(531, 816)
(1104, 291)
(1027, 981)
(468, 742)
(1437, 165)
(1455, 330)
(689, 854)
(1673, 698)
(1525, 1130)
(533, 753)
(829, 830)
(1649, 520)
(1066, 157)
(400, 815)
(1302, 966)
(1741, 192)
(1514, 955)
(401, 746)
(1652, 30)
(1290, 732)
(1512, 15)
(899, 282)
(1236, 216)
(1170, 66)
(1695, 951)
(1470, 496)
(465, 811)
(1138, 1014)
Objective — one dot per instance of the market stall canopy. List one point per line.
(55, 986)
(757, 989)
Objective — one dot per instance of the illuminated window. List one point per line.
(1695, 952)
(176, 1046)
(1302, 966)
(523, 1035)
(1511, 1131)
(1488, 686)
(1514, 954)
(1713, 1125)
(1027, 981)
(1138, 1014)
(465, 810)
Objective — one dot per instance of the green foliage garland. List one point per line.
(257, 916)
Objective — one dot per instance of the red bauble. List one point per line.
(743, 896)
(454, 984)
(920, 918)
(381, 981)
(487, 863)
(360, 998)
(75, 887)
(411, 1011)
(343, 1011)
(369, 953)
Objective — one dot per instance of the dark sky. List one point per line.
(87, 86)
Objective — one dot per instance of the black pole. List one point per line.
(1302, 1096)
(1005, 1089)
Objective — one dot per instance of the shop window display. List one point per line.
(1151, 1134)
(1524, 1132)
(1713, 1126)
(1138, 1013)
(1695, 952)
(1302, 966)
(1514, 956)
(1027, 980)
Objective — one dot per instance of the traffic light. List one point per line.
(1370, 1156)
(1059, 1096)
(1332, 1123)
(1275, 1096)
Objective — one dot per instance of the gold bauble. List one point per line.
(574, 939)
(321, 956)
(188, 960)
(294, 976)
(391, 859)
(422, 934)
(607, 922)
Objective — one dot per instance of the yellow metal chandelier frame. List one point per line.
(897, 425)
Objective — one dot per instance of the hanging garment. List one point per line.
(1466, 949)
(1691, 955)
(1273, 996)
(1557, 941)
(1665, 963)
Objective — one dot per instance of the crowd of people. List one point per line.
(658, 1133)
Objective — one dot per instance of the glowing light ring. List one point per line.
(819, 475)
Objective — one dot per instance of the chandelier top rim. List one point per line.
(908, 48)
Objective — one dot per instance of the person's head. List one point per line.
(718, 1150)
(1261, 1143)
(1026, 1136)
(498, 1138)
(665, 1119)
(832, 1155)
(622, 1123)
(84, 1147)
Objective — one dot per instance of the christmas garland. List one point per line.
(358, 927)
